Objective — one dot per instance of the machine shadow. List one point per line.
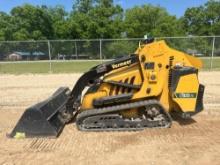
(182, 121)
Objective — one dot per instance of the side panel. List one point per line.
(186, 92)
(184, 89)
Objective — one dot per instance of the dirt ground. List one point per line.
(194, 142)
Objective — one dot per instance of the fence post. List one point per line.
(76, 50)
(50, 69)
(213, 51)
(100, 50)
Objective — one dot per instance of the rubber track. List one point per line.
(105, 110)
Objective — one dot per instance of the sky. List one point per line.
(174, 7)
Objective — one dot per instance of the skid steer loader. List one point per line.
(134, 92)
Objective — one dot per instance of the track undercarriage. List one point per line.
(151, 115)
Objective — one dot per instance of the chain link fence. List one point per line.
(50, 56)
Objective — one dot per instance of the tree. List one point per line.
(83, 6)
(194, 21)
(60, 23)
(30, 22)
(102, 19)
(150, 19)
(5, 26)
(212, 8)
(203, 20)
(109, 24)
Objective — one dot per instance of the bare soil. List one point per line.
(195, 141)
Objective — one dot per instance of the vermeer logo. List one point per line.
(115, 66)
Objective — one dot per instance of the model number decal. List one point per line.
(185, 95)
(115, 66)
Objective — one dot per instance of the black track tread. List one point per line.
(111, 109)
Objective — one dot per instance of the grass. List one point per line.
(69, 66)
(44, 67)
(207, 63)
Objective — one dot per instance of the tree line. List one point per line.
(90, 19)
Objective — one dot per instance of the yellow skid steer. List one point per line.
(138, 91)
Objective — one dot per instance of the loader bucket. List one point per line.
(43, 119)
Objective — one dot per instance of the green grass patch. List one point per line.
(207, 63)
(69, 66)
(44, 67)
